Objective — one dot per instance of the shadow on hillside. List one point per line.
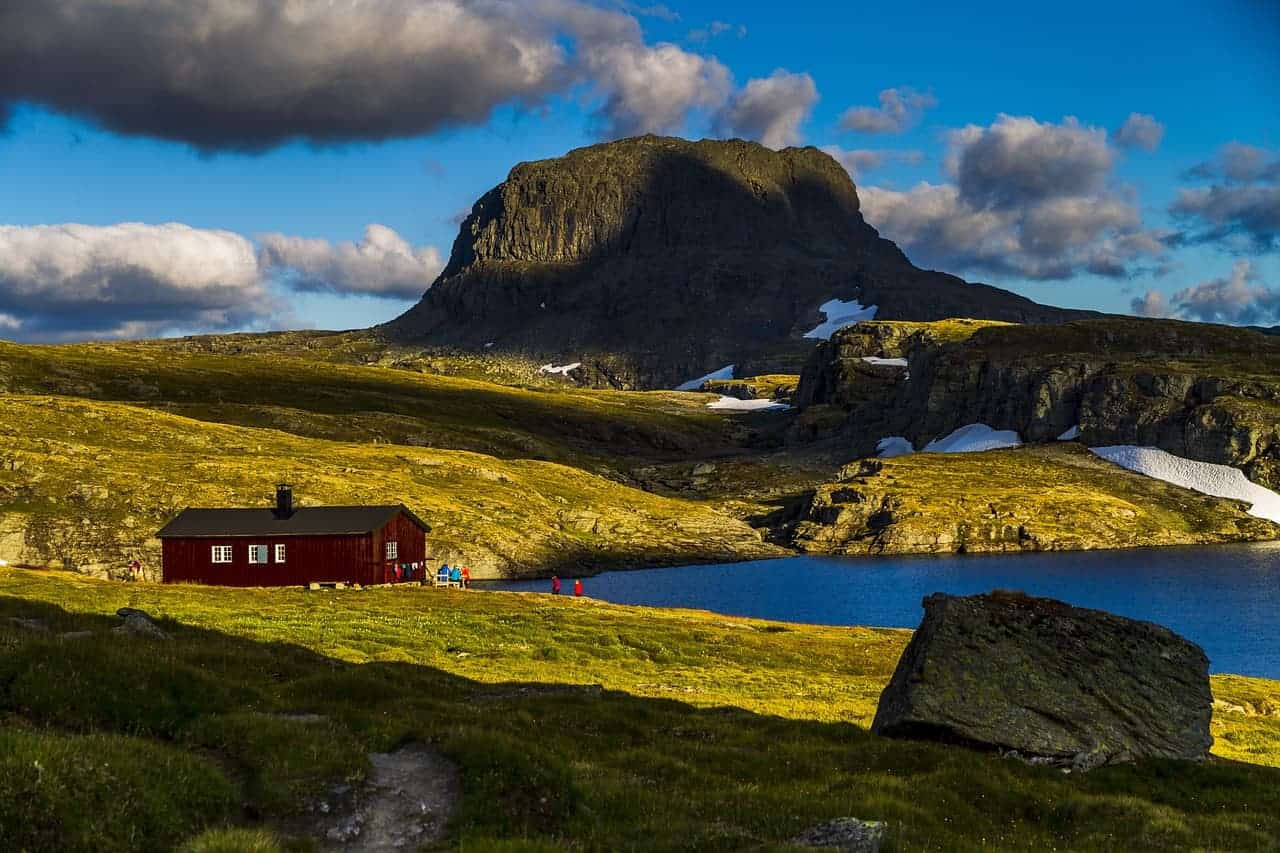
(571, 763)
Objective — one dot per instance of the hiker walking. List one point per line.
(577, 589)
(555, 585)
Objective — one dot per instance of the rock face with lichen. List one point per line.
(654, 260)
(1049, 681)
(1204, 392)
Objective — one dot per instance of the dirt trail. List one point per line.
(407, 802)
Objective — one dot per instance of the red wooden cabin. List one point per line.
(290, 546)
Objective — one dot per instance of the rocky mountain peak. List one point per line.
(653, 259)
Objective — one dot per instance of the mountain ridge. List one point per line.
(655, 259)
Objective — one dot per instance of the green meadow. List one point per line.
(575, 725)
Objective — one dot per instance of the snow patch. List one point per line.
(486, 346)
(974, 438)
(893, 445)
(840, 314)
(1221, 481)
(562, 369)
(1071, 434)
(733, 404)
(725, 372)
(884, 362)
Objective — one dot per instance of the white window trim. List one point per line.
(392, 550)
(266, 555)
(280, 552)
(222, 554)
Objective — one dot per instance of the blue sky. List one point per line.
(1208, 74)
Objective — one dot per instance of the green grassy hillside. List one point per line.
(574, 724)
(517, 472)
(89, 482)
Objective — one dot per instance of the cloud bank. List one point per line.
(73, 281)
(1239, 298)
(253, 74)
(1028, 199)
(1240, 209)
(126, 280)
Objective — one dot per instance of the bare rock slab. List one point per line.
(1050, 681)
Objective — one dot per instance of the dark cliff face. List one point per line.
(1205, 392)
(654, 260)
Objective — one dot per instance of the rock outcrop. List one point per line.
(653, 260)
(1049, 681)
(1210, 393)
(1054, 497)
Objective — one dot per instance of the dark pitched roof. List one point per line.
(305, 521)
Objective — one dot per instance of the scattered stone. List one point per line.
(76, 635)
(845, 834)
(139, 623)
(1082, 688)
(36, 626)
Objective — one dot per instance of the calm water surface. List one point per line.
(1226, 598)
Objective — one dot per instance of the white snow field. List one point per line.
(1071, 434)
(561, 369)
(893, 445)
(884, 362)
(725, 372)
(974, 438)
(1221, 481)
(840, 314)
(733, 404)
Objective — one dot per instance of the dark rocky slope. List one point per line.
(1210, 393)
(653, 260)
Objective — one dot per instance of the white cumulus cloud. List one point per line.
(770, 109)
(1027, 199)
(1140, 130)
(72, 280)
(381, 264)
(900, 109)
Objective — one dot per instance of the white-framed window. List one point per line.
(392, 551)
(222, 553)
(257, 554)
(279, 553)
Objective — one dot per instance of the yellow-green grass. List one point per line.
(769, 386)
(349, 402)
(89, 482)
(705, 731)
(1042, 497)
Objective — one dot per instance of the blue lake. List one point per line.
(1226, 598)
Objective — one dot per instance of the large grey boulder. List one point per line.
(1049, 681)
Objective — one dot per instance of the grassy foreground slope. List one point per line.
(575, 725)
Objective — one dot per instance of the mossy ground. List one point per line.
(706, 732)
(1041, 497)
(517, 473)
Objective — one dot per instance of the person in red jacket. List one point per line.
(466, 578)
(555, 585)
(577, 588)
